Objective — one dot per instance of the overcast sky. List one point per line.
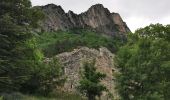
(136, 13)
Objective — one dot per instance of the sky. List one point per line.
(136, 13)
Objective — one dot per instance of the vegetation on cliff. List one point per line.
(64, 41)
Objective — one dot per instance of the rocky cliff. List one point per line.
(96, 18)
(73, 66)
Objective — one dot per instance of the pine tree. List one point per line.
(90, 83)
(17, 55)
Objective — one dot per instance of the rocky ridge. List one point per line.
(96, 18)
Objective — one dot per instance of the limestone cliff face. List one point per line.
(73, 66)
(55, 18)
(96, 18)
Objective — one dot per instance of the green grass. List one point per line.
(58, 42)
(56, 96)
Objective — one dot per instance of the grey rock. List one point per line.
(73, 66)
(55, 18)
(96, 18)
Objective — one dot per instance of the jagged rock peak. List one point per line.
(52, 6)
(96, 6)
(97, 18)
(70, 12)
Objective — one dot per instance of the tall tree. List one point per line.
(17, 53)
(90, 83)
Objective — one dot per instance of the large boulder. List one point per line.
(72, 63)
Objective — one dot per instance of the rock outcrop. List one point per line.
(96, 18)
(73, 66)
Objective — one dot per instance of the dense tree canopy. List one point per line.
(19, 55)
(144, 63)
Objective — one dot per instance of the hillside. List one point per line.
(53, 43)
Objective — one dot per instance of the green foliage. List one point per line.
(19, 10)
(52, 76)
(1, 97)
(45, 78)
(144, 65)
(19, 55)
(90, 82)
(57, 42)
(56, 96)
(66, 96)
(155, 31)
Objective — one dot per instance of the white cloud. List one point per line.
(165, 20)
(137, 22)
